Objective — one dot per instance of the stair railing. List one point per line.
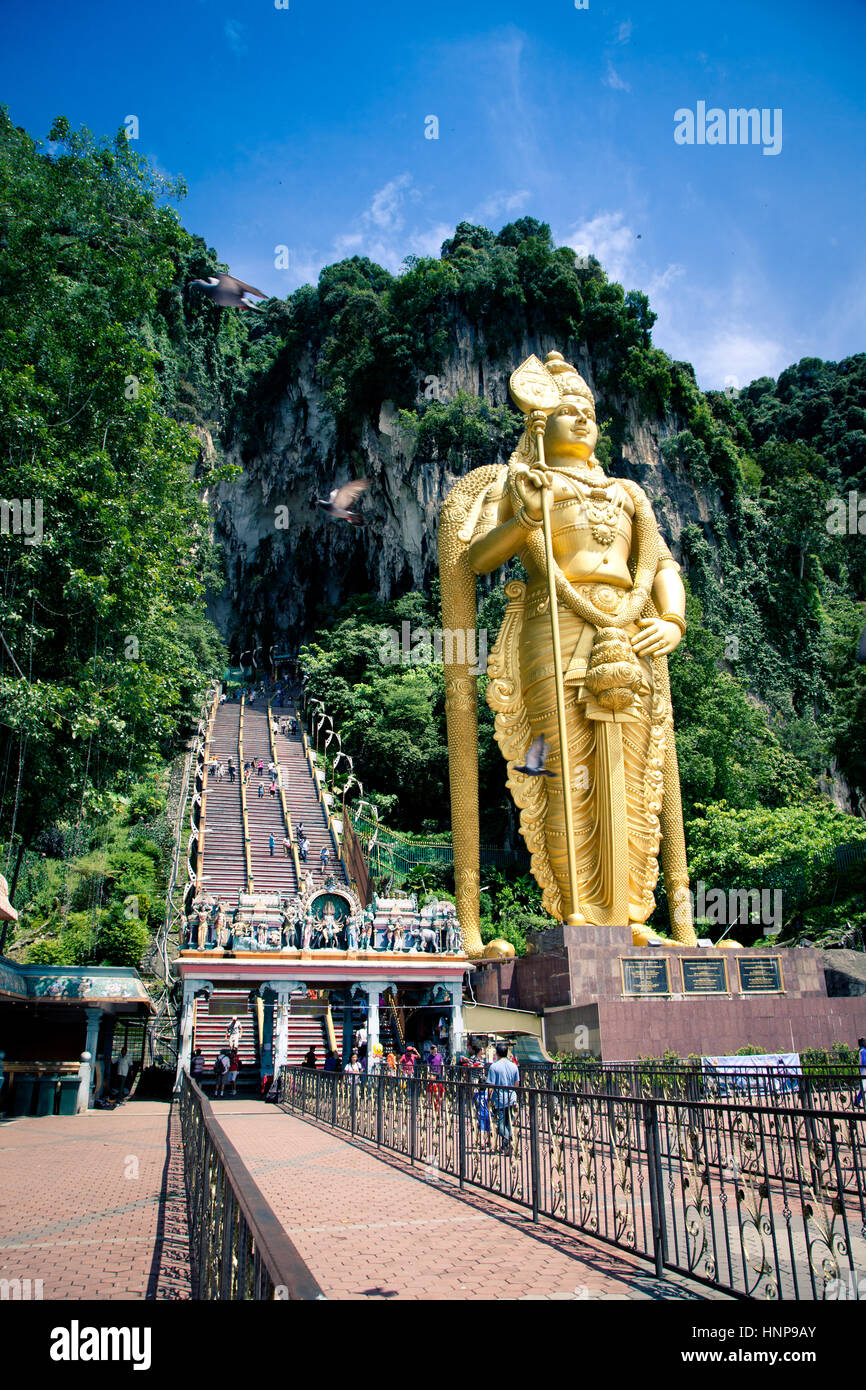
(329, 1028)
(199, 867)
(245, 823)
(287, 820)
(398, 1016)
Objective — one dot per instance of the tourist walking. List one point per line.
(310, 1059)
(408, 1060)
(261, 790)
(273, 789)
(197, 1067)
(332, 1062)
(220, 1068)
(353, 1069)
(303, 849)
(323, 858)
(271, 843)
(234, 1067)
(287, 846)
(481, 1102)
(503, 1075)
(861, 1043)
(234, 1032)
(124, 1066)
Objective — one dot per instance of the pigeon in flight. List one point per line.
(340, 501)
(536, 757)
(861, 646)
(228, 292)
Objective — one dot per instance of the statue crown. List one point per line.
(567, 379)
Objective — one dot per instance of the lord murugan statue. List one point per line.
(580, 663)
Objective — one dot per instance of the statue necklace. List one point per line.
(599, 499)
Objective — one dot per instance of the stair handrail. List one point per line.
(244, 822)
(398, 1016)
(329, 1028)
(287, 820)
(199, 870)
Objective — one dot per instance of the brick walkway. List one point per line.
(369, 1226)
(93, 1204)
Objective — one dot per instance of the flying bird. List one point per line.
(536, 757)
(340, 502)
(228, 292)
(861, 646)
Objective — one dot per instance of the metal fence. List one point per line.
(238, 1247)
(759, 1200)
(813, 1087)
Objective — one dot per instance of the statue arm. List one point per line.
(661, 636)
(497, 537)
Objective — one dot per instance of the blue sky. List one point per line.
(305, 127)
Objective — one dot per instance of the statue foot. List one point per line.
(575, 919)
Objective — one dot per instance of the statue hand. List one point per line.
(529, 483)
(658, 637)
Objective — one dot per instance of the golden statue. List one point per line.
(580, 663)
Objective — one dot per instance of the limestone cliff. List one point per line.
(284, 557)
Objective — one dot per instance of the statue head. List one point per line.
(555, 388)
(571, 431)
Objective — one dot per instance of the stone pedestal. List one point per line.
(575, 978)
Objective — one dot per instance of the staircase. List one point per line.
(223, 865)
(271, 873)
(388, 1034)
(306, 1031)
(210, 1035)
(304, 806)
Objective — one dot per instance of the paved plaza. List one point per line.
(93, 1204)
(371, 1226)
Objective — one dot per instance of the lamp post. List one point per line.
(316, 704)
(332, 734)
(352, 781)
(319, 722)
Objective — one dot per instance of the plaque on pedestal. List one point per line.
(645, 975)
(704, 975)
(760, 974)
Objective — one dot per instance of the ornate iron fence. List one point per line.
(826, 1088)
(762, 1201)
(238, 1246)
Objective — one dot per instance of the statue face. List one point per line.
(571, 431)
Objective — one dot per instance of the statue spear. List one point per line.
(535, 393)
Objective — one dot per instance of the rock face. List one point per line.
(845, 973)
(285, 558)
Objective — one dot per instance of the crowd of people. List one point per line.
(493, 1074)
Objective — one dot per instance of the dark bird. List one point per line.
(340, 501)
(536, 757)
(861, 646)
(228, 292)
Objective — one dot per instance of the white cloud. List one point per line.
(624, 31)
(659, 284)
(717, 327)
(735, 350)
(613, 80)
(500, 205)
(386, 231)
(386, 209)
(606, 237)
(234, 32)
